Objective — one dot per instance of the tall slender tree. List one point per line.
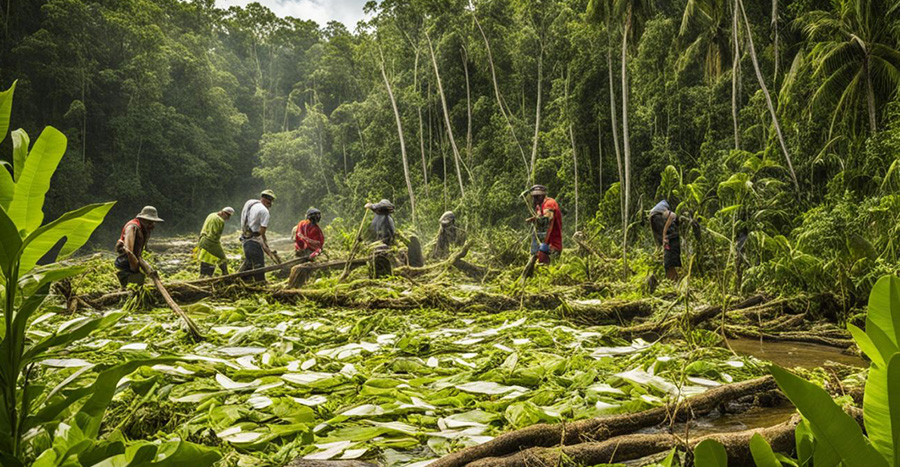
(437, 76)
(387, 85)
(765, 90)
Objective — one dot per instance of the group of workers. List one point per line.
(308, 238)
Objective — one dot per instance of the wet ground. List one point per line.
(794, 354)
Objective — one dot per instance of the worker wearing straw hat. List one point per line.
(131, 244)
(209, 248)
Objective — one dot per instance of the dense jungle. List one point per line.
(456, 233)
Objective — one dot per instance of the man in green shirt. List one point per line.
(210, 251)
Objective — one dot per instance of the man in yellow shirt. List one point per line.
(210, 251)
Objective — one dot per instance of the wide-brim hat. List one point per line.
(383, 205)
(538, 190)
(312, 212)
(448, 218)
(268, 194)
(149, 214)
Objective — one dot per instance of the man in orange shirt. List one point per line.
(308, 237)
(547, 222)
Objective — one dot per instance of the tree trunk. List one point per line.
(421, 132)
(626, 145)
(870, 95)
(600, 148)
(503, 111)
(765, 90)
(387, 84)
(456, 158)
(465, 60)
(775, 40)
(615, 130)
(574, 148)
(736, 74)
(537, 114)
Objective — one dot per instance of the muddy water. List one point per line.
(794, 354)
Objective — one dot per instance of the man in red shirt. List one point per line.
(547, 221)
(308, 237)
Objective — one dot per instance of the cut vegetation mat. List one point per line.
(275, 382)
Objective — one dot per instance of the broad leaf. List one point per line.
(179, 453)
(710, 453)
(762, 453)
(20, 143)
(882, 408)
(831, 426)
(6, 98)
(7, 187)
(38, 278)
(102, 391)
(76, 226)
(865, 344)
(27, 206)
(72, 334)
(803, 438)
(10, 243)
(884, 308)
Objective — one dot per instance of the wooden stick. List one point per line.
(353, 249)
(192, 328)
(281, 266)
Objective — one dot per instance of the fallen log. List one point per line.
(595, 429)
(695, 318)
(237, 275)
(300, 462)
(300, 273)
(612, 311)
(636, 446)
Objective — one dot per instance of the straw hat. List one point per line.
(149, 214)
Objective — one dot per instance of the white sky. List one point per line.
(320, 11)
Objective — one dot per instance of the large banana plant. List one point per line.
(70, 416)
(828, 436)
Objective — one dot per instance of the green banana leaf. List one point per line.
(830, 425)
(27, 206)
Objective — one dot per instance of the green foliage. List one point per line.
(710, 453)
(74, 426)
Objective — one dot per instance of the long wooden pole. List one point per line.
(154, 276)
(355, 246)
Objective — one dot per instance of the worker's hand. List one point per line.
(314, 254)
(369, 205)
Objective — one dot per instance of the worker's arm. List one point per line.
(265, 241)
(549, 215)
(133, 262)
(670, 217)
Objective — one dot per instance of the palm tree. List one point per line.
(853, 53)
(707, 22)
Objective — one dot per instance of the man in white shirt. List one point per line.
(254, 223)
